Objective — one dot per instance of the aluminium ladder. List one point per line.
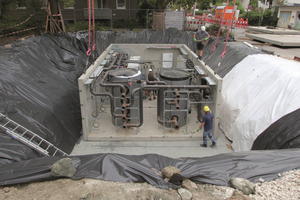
(29, 138)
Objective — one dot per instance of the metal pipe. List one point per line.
(174, 102)
(177, 93)
(112, 84)
(188, 87)
(125, 125)
(112, 108)
(158, 82)
(120, 59)
(174, 120)
(111, 64)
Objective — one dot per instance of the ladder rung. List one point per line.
(55, 152)
(32, 138)
(7, 123)
(48, 147)
(24, 133)
(41, 142)
(16, 128)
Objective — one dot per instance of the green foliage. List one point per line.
(127, 23)
(84, 25)
(269, 18)
(254, 4)
(68, 3)
(213, 29)
(254, 18)
(201, 12)
(205, 5)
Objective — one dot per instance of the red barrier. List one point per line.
(241, 23)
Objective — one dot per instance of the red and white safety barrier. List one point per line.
(18, 24)
(18, 31)
(55, 15)
(194, 23)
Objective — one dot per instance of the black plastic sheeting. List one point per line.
(283, 134)
(215, 170)
(235, 53)
(39, 91)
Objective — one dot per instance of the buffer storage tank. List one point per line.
(126, 77)
(166, 108)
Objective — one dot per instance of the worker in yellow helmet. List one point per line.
(207, 122)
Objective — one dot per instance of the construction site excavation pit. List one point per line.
(114, 102)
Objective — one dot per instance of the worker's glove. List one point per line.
(205, 38)
(198, 129)
(195, 39)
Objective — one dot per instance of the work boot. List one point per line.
(199, 57)
(213, 145)
(203, 145)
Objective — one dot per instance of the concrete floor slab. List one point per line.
(151, 138)
(280, 40)
(276, 31)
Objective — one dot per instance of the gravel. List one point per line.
(286, 187)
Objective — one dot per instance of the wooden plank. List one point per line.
(61, 18)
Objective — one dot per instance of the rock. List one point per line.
(64, 167)
(243, 185)
(188, 184)
(196, 196)
(6, 189)
(238, 195)
(185, 194)
(167, 172)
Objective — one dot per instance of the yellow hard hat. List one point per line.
(206, 109)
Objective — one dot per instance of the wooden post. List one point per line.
(47, 20)
(49, 14)
(61, 18)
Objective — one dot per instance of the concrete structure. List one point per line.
(289, 16)
(277, 31)
(96, 110)
(280, 40)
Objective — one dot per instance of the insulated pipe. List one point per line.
(111, 65)
(105, 94)
(125, 125)
(120, 59)
(112, 84)
(172, 121)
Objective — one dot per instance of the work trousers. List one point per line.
(205, 134)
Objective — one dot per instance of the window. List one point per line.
(121, 4)
(21, 4)
(70, 6)
(101, 3)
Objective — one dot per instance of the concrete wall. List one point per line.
(288, 15)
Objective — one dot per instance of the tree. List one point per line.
(159, 4)
(188, 4)
(5, 6)
(205, 4)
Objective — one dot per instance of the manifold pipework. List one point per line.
(174, 121)
(108, 94)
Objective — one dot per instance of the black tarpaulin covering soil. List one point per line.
(39, 91)
(283, 134)
(215, 170)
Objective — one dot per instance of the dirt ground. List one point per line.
(105, 190)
